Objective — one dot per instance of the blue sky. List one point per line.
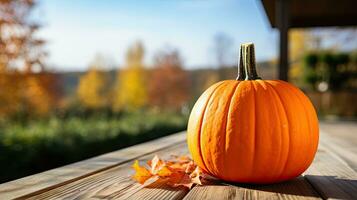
(78, 30)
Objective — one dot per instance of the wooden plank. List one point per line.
(297, 188)
(346, 150)
(116, 183)
(64, 175)
(341, 138)
(158, 191)
(331, 176)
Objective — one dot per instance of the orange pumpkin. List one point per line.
(251, 130)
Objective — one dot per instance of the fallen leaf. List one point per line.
(190, 167)
(164, 171)
(179, 171)
(141, 173)
(196, 176)
(181, 180)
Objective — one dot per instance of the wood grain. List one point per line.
(341, 138)
(331, 176)
(116, 183)
(64, 175)
(297, 188)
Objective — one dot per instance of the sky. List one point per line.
(77, 31)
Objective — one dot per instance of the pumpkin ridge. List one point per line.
(287, 118)
(274, 108)
(292, 91)
(201, 122)
(308, 124)
(275, 142)
(309, 139)
(255, 122)
(216, 163)
(311, 115)
(229, 108)
(194, 125)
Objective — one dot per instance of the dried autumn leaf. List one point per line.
(181, 171)
(184, 159)
(181, 180)
(141, 173)
(175, 178)
(190, 167)
(164, 171)
(156, 164)
(196, 175)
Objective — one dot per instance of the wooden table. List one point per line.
(332, 175)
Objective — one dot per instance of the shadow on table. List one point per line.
(324, 186)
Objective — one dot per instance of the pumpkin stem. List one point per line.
(248, 60)
(241, 70)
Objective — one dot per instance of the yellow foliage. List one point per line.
(130, 90)
(299, 44)
(296, 70)
(91, 88)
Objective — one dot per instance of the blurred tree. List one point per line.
(40, 92)
(310, 76)
(300, 43)
(20, 49)
(92, 87)
(10, 93)
(320, 68)
(328, 70)
(130, 91)
(223, 51)
(211, 79)
(337, 38)
(168, 84)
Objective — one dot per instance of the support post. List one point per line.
(282, 23)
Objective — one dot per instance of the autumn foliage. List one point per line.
(10, 95)
(92, 88)
(25, 85)
(179, 171)
(41, 91)
(130, 90)
(169, 83)
(19, 46)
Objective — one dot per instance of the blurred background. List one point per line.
(81, 78)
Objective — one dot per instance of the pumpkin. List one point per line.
(251, 130)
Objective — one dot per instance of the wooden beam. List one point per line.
(316, 13)
(282, 21)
